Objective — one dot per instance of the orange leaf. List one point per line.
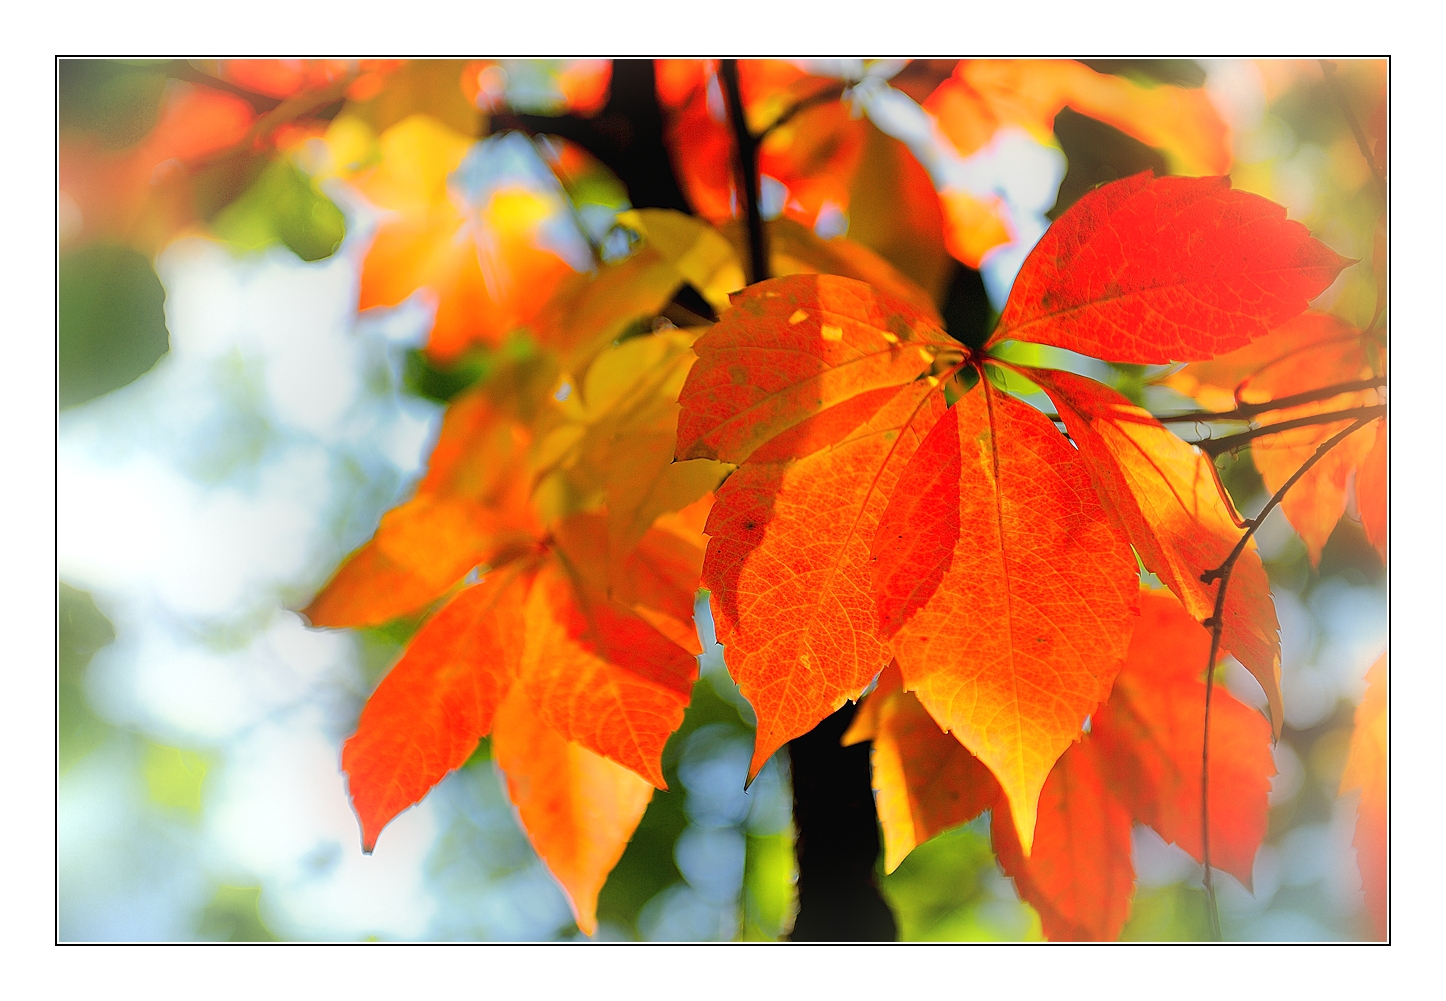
(1169, 502)
(579, 809)
(985, 94)
(1146, 270)
(1150, 733)
(1335, 353)
(1079, 876)
(1006, 591)
(788, 563)
(431, 709)
(1367, 770)
(803, 354)
(368, 589)
(600, 674)
(926, 781)
(1371, 482)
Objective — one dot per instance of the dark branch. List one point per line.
(746, 144)
(1215, 446)
(813, 100)
(1248, 410)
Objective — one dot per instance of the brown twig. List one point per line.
(1216, 624)
(1248, 410)
(747, 149)
(1215, 446)
(822, 97)
(1329, 69)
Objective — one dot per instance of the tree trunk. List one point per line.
(838, 839)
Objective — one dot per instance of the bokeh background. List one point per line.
(231, 427)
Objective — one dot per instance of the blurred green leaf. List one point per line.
(112, 321)
(283, 206)
(1173, 913)
(770, 886)
(83, 631)
(174, 777)
(117, 100)
(233, 915)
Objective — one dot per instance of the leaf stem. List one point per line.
(1245, 411)
(1216, 623)
(747, 148)
(1214, 446)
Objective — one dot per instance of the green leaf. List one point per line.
(283, 206)
(112, 321)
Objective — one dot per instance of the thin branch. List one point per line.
(682, 316)
(1214, 446)
(747, 147)
(294, 107)
(1248, 410)
(822, 97)
(1329, 69)
(179, 69)
(1216, 624)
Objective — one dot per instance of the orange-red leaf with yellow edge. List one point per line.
(367, 590)
(1371, 491)
(1336, 353)
(1367, 770)
(1079, 876)
(788, 564)
(471, 508)
(1170, 504)
(799, 348)
(484, 263)
(925, 780)
(601, 674)
(1150, 735)
(1149, 270)
(983, 95)
(431, 709)
(578, 808)
(1006, 591)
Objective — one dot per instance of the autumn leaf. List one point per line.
(431, 709)
(1150, 735)
(578, 808)
(1148, 270)
(926, 781)
(1311, 352)
(1006, 593)
(1367, 770)
(1371, 491)
(1168, 501)
(599, 672)
(1079, 876)
(483, 259)
(1139, 761)
(983, 95)
(809, 378)
(471, 508)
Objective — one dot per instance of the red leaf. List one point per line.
(1169, 502)
(1150, 735)
(1149, 270)
(1079, 877)
(431, 709)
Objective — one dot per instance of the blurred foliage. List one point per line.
(233, 915)
(83, 630)
(1174, 913)
(117, 100)
(283, 206)
(941, 892)
(174, 777)
(112, 322)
